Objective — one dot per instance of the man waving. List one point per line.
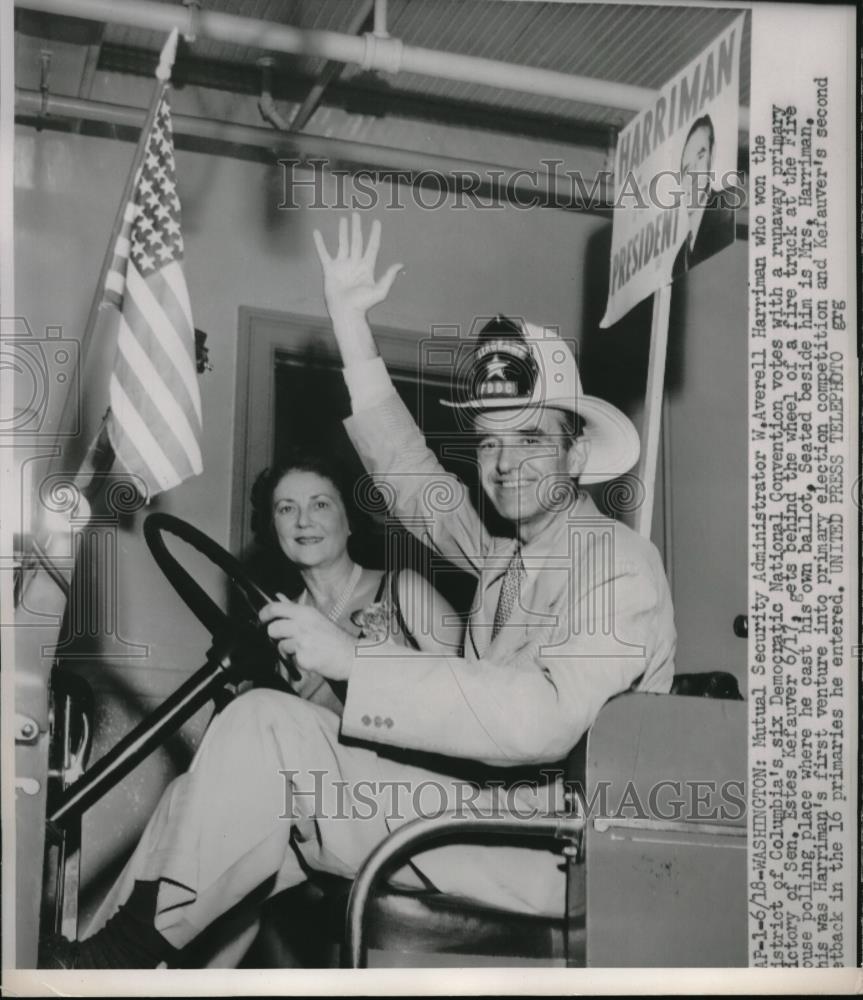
(572, 611)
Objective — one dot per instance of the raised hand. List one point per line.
(350, 289)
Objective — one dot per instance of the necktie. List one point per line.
(509, 592)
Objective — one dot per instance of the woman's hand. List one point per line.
(313, 640)
(350, 289)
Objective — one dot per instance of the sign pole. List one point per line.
(652, 426)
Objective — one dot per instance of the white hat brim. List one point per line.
(614, 441)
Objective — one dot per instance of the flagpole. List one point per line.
(99, 457)
(652, 424)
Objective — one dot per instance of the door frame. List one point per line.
(264, 334)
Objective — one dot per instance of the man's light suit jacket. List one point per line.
(595, 616)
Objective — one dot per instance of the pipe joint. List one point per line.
(193, 16)
(380, 19)
(269, 112)
(382, 53)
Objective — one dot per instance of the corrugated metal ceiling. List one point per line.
(640, 45)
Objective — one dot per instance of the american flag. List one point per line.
(154, 422)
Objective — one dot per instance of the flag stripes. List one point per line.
(153, 312)
(146, 449)
(155, 417)
(157, 395)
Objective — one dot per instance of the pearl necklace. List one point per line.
(341, 602)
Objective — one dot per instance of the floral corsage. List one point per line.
(373, 620)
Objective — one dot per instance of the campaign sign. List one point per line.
(676, 186)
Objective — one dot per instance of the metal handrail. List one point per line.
(408, 838)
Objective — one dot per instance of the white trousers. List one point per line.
(270, 782)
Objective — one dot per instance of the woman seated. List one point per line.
(304, 511)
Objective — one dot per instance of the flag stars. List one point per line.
(155, 235)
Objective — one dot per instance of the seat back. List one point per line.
(666, 839)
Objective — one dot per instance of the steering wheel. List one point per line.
(242, 628)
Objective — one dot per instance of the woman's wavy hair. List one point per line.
(361, 543)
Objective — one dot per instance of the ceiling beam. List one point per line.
(495, 182)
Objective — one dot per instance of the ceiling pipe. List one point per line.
(384, 54)
(266, 104)
(547, 187)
